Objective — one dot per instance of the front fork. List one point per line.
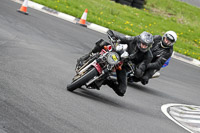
(99, 79)
(95, 64)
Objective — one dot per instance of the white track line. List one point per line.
(185, 115)
(164, 110)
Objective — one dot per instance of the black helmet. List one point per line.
(145, 41)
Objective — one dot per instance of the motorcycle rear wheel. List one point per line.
(82, 80)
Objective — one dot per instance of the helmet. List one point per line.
(145, 41)
(168, 39)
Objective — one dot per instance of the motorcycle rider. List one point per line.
(162, 50)
(138, 49)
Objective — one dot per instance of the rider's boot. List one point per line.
(145, 80)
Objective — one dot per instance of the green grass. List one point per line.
(157, 17)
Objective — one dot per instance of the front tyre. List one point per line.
(82, 80)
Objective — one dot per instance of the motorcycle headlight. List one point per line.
(113, 58)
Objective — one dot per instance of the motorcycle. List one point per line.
(100, 66)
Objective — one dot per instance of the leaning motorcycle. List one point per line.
(100, 66)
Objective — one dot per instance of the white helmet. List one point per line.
(171, 37)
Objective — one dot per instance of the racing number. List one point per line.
(114, 57)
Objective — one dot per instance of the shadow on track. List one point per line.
(131, 107)
(154, 92)
(128, 106)
(120, 104)
(145, 89)
(88, 93)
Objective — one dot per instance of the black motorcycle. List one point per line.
(100, 66)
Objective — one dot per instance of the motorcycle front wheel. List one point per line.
(82, 80)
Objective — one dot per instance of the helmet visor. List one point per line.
(170, 38)
(143, 45)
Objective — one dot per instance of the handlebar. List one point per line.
(111, 35)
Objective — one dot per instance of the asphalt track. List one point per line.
(38, 53)
(192, 2)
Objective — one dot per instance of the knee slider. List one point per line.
(120, 93)
(138, 73)
(145, 78)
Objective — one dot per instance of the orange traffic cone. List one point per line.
(82, 21)
(23, 8)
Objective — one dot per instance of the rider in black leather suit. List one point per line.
(138, 48)
(162, 50)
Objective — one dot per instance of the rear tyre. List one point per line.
(82, 80)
